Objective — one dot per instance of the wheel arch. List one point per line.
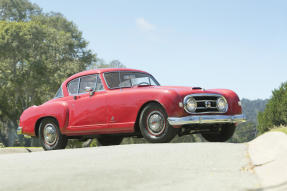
(38, 122)
(136, 127)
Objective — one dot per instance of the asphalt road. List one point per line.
(153, 167)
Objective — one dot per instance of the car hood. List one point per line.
(183, 91)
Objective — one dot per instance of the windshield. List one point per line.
(129, 79)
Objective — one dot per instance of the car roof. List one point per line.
(98, 71)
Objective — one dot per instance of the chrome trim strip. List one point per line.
(205, 94)
(19, 131)
(206, 119)
(205, 100)
(206, 108)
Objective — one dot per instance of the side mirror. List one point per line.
(90, 90)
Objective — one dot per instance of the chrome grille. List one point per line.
(206, 103)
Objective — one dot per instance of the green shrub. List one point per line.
(275, 113)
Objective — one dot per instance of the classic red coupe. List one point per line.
(110, 104)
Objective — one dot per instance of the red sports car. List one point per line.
(110, 104)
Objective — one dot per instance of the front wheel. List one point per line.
(50, 136)
(154, 126)
(224, 133)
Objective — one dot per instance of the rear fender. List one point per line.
(31, 118)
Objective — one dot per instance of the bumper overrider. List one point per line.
(206, 119)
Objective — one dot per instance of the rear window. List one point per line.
(59, 93)
(73, 86)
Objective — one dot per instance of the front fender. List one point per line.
(170, 100)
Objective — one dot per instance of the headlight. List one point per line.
(190, 105)
(222, 105)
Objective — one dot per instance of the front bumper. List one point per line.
(206, 119)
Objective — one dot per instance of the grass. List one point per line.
(280, 129)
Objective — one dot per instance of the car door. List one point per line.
(87, 111)
(121, 104)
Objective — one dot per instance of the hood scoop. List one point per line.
(196, 88)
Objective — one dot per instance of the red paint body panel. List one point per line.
(112, 111)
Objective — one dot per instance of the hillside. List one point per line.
(247, 131)
(252, 107)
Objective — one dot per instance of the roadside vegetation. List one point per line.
(275, 114)
(282, 129)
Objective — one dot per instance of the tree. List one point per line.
(38, 51)
(18, 10)
(100, 63)
(275, 113)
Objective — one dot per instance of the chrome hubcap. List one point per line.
(50, 134)
(156, 123)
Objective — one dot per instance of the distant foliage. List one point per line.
(275, 113)
(251, 108)
(18, 10)
(100, 63)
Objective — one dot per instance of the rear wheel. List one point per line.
(50, 136)
(223, 134)
(106, 140)
(154, 126)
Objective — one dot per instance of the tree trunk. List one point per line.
(3, 140)
(12, 133)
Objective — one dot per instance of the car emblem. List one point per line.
(208, 104)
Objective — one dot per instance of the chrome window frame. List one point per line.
(158, 84)
(99, 77)
(79, 82)
(204, 94)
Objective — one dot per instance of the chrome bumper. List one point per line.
(206, 119)
(19, 131)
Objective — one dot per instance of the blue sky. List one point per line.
(239, 45)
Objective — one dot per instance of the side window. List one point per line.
(100, 86)
(59, 93)
(112, 79)
(73, 86)
(87, 81)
